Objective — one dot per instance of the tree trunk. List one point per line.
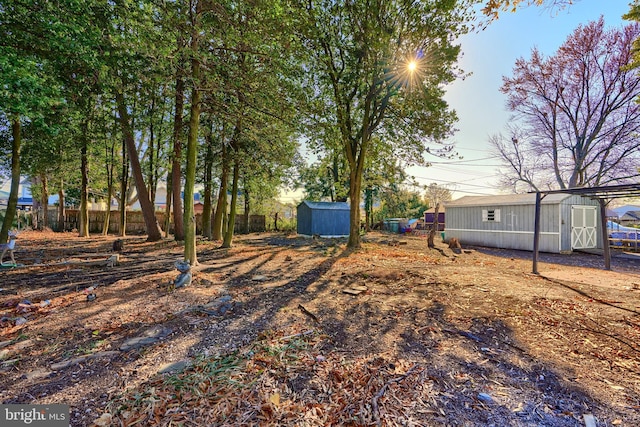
(354, 216)
(45, 201)
(151, 150)
(176, 174)
(148, 211)
(109, 163)
(124, 184)
(434, 228)
(36, 224)
(167, 217)
(355, 157)
(208, 189)
(221, 206)
(247, 208)
(190, 254)
(228, 237)
(107, 214)
(61, 207)
(12, 204)
(83, 226)
(368, 207)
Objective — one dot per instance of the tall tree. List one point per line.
(380, 67)
(576, 111)
(28, 43)
(195, 12)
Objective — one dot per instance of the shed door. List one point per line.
(583, 227)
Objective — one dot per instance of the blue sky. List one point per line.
(489, 55)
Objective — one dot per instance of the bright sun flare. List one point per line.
(411, 66)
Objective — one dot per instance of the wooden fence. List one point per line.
(135, 222)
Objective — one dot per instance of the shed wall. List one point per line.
(315, 219)
(330, 222)
(516, 226)
(304, 220)
(513, 231)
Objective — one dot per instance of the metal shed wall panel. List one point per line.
(515, 227)
(323, 218)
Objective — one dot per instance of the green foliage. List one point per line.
(398, 202)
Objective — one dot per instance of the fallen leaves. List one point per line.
(278, 383)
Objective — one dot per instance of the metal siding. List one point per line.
(515, 230)
(330, 222)
(324, 219)
(304, 220)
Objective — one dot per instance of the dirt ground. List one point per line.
(472, 339)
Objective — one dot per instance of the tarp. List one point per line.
(617, 231)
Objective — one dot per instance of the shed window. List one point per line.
(491, 215)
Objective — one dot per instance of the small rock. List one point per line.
(150, 336)
(36, 375)
(91, 297)
(66, 363)
(45, 303)
(4, 354)
(589, 420)
(484, 397)
(259, 278)
(20, 321)
(104, 420)
(137, 342)
(174, 367)
(320, 358)
(157, 332)
(216, 302)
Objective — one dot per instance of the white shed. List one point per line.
(567, 222)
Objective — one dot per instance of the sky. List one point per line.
(489, 55)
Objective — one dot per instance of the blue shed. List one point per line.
(326, 219)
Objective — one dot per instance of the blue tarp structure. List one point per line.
(617, 231)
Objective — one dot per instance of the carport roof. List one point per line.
(603, 192)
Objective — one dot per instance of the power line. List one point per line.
(466, 162)
(458, 182)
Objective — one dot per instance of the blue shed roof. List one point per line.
(339, 206)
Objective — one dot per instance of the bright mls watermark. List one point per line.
(34, 415)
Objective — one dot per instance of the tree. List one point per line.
(492, 8)
(437, 194)
(380, 69)
(27, 44)
(134, 43)
(576, 112)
